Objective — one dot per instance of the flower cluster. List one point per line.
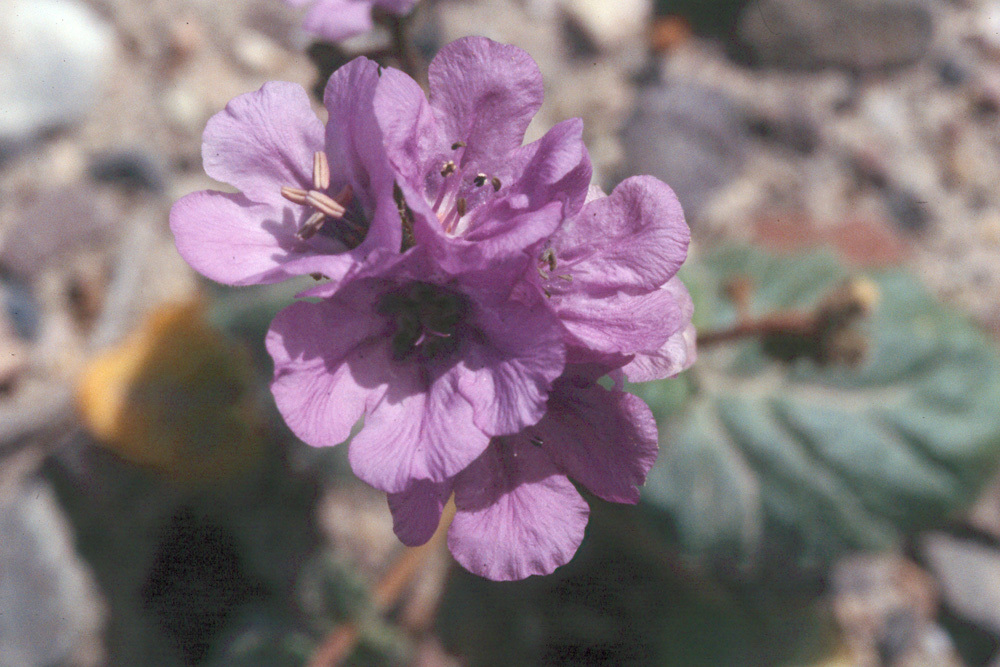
(474, 291)
(337, 20)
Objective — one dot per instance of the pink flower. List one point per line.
(312, 199)
(609, 273)
(436, 363)
(476, 192)
(337, 20)
(517, 513)
(478, 289)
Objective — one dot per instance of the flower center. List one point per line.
(425, 320)
(325, 208)
(458, 192)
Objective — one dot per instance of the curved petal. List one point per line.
(606, 440)
(620, 323)
(418, 430)
(485, 94)
(634, 238)
(556, 167)
(234, 241)
(677, 353)
(673, 357)
(411, 135)
(416, 511)
(517, 515)
(336, 20)
(507, 375)
(263, 140)
(328, 364)
(356, 151)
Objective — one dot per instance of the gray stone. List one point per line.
(49, 610)
(853, 34)
(969, 575)
(53, 57)
(688, 136)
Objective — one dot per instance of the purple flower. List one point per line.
(609, 273)
(517, 513)
(336, 20)
(475, 191)
(437, 365)
(311, 200)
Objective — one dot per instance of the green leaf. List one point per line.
(794, 462)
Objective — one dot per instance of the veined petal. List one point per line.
(620, 323)
(355, 146)
(419, 430)
(634, 238)
(517, 514)
(416, 511)
(677, 353)
(606, 440)
(554, 168)
(411, 134)
(507, 375)
(263, 140)
(485, 94)
(234, 241)
(328, 364)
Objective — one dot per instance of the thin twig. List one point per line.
(790, 323)
(340, 643)
(403, 50)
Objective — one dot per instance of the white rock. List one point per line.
(610, 23)
(986, 26)
(48, 601)
(53, 57)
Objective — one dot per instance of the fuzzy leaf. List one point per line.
(774, 463)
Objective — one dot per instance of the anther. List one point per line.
(495, 182)
(458, 144)
(325, 204)
(321, 171)
(311, 226)
(461, 205)
(294, 195)
(448, 169)
(479, 180)
(549, 257)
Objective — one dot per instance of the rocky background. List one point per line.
(133, 533)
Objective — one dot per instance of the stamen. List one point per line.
(496, 184)
(458, 144)
(321, 171)
(549, 257)
(311, 226)
(479, 180)
(461, 205)
(448, 169)
(294, 195)
(325, 204)
(565, 276)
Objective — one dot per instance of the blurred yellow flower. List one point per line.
(175, 397)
